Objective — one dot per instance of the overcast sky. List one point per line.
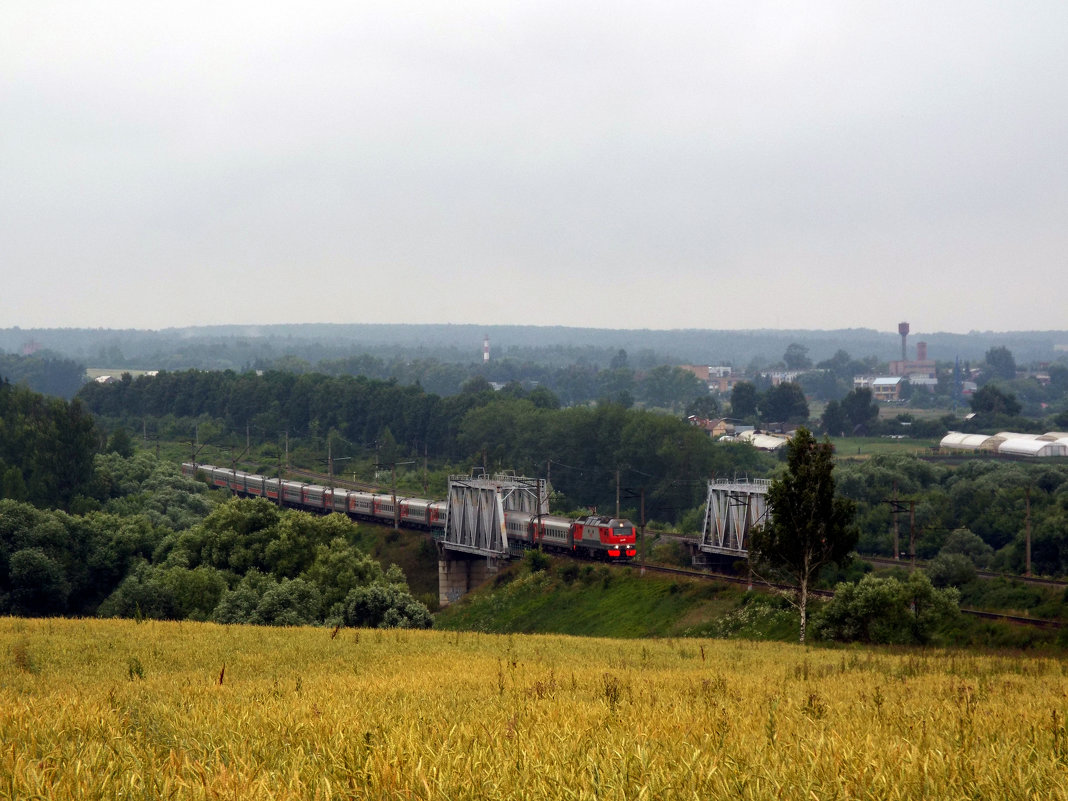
(619, 165)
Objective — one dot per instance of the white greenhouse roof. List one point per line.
(957, 441)
(1032, 447)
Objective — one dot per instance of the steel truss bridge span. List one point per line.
(476, 507)
(733, 508)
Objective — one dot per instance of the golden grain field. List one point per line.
(114, 709)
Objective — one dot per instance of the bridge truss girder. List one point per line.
(733, 508)
(474, 516)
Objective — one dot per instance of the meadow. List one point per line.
(94, 709)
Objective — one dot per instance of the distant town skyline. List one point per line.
(684, 165)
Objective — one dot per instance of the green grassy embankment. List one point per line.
(583, 599)
(597, 600)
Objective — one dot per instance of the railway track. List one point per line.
(335, 481)
(985, 615)
(883, 561)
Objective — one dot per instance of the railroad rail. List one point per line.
(886, 561)
(334, 481)
(986, 615)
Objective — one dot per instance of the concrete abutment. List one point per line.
(459, 573)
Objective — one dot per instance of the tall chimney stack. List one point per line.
(903, 329)
(485, 349)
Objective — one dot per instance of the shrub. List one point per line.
(951, 570)
(886, 610)
(384, 606)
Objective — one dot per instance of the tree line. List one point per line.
(583, 448)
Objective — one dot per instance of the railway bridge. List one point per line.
(733, 508)
(475, 542)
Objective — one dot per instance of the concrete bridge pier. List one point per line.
(459, 573)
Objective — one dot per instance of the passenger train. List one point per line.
(595, 536)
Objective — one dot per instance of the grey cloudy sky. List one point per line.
(621, 165)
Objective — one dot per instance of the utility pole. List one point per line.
(1028, 507)
(233, 460)
(642, 491)
(539, 533)
(897, 507)
(279, 479)
(912, 532)
(617, 493)
(640, 494)
(393, 481)
(195, 448)
(893, 514)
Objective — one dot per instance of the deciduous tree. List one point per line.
(743, 400)
(809, 525)
(992, 400)
(796, 357)
(1001, 363)
(784, 403)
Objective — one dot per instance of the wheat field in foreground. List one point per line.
(114, 709)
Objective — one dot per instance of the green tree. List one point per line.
(338, 569)
(705, 406)
(796, 357)
(809, 526)
(859, 409)
(1001, 364)
(833, 420)
(991, 400)
(38, 584)
(743, 400)
(963, 542)
(119, 442)
(14, 487)
(784, 403)
(143, 593)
